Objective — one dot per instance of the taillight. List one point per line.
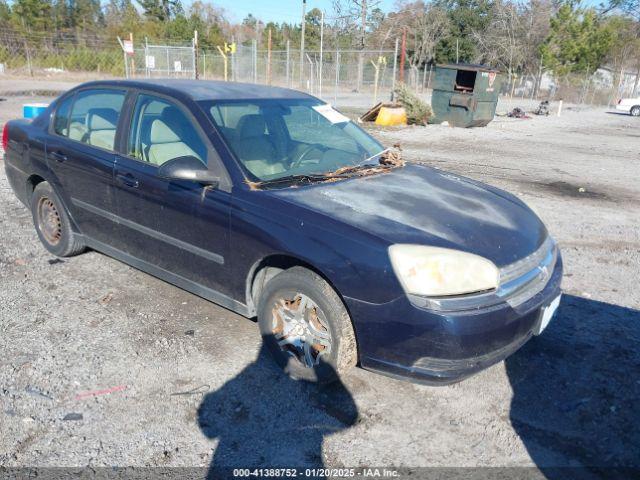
(5, 137)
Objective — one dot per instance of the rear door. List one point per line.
(81, 154)
(180, 227)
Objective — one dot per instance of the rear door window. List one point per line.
(94, 117)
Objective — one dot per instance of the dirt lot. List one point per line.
(103, 365)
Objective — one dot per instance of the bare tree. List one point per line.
(503, 43)
(355, 13)
(429, 26)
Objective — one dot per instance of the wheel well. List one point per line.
(269, 267)
(32, 182)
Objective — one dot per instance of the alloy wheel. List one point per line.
(301, 329)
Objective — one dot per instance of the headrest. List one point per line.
(171, 113)
(251, 126)
(102, 119)
(162, 133)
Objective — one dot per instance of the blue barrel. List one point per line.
(32, 110)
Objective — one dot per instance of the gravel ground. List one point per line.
(103, 365)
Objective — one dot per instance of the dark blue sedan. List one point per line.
(271, 203)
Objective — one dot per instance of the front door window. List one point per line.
(160, 132)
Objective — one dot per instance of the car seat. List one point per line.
(166, 144)
(254, 148)
(101, 127)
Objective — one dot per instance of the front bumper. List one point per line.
(403, 340)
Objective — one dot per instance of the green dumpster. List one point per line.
(465, 95)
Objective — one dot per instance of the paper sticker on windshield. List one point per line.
(330, 114)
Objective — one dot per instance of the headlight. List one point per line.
(437, 272)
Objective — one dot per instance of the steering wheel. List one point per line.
(314, 146)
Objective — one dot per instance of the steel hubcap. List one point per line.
(301, 329)
(49, 221)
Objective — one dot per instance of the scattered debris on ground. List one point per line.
(543, 108)
(73, 417)
(517, 112)
(97, 393)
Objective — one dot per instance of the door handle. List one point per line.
(127, 179)
(58, 156)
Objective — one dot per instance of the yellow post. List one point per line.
(224, 56)
(376, 66)
(133, 62)
(375, 82)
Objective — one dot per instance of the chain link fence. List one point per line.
(161, 61)
(34, 55)
(362, 76)
(327, 74)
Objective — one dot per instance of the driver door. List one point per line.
(177, 226)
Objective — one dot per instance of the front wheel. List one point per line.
(306, 327)
(52, 223)
(635, 111)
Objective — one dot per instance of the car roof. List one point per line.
(206, 89)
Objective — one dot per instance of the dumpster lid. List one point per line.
(468, 66)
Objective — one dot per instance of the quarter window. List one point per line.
(94, 117)
(61, 121)
(160, 132)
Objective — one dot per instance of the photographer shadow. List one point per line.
(576, 390)
(264, 419)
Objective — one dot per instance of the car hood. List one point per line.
(422, 205)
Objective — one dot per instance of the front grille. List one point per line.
(527, 277)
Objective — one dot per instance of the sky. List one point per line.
(280, 10)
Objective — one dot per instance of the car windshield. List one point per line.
(278, 138)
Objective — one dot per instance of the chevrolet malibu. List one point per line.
(271, 203)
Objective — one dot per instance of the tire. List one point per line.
(325, 320)
(635, 111)
(52, 223)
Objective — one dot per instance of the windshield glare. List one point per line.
(282, 137)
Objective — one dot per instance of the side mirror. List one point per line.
(188, 168)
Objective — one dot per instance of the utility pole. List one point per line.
(288, 64)
(335, 91)
(304, 21)
(403, 54)
(195, 55)
(255, 60)
(363, 31)
(269, 59)
(321, 52)
(395, 69)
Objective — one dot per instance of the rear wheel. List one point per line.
(635, 111)
(52, 223)
(306, 327)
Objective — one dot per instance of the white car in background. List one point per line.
(629, 105)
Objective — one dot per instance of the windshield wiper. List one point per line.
(382, 152)
(305, 177)
(388, 159)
